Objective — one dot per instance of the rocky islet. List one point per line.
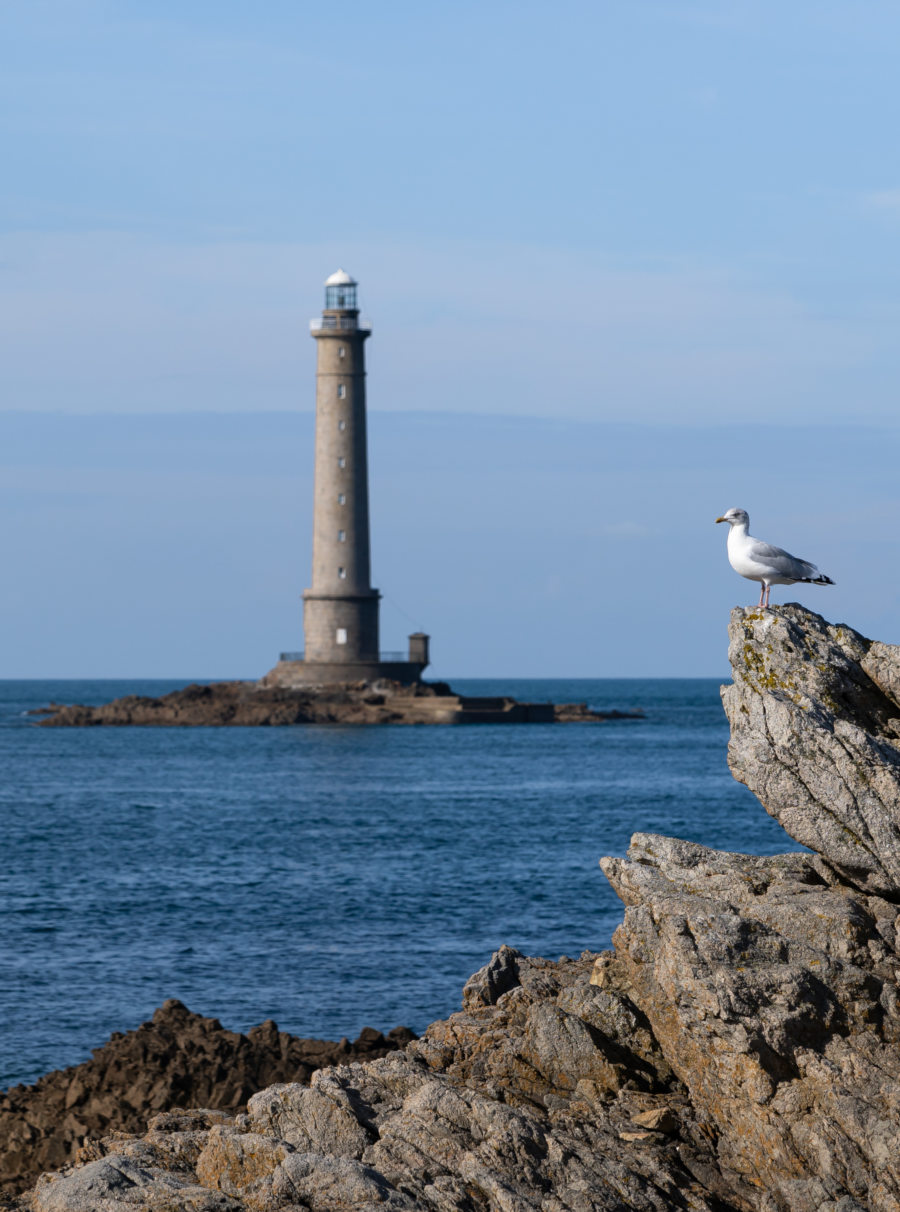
(738, 1049)
(268, 703)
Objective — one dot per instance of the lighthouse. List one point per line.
(340, 608)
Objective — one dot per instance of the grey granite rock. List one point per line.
(318, 1118)
(815, 734)
(527, 1102)
(771, 988)
(119, 1181)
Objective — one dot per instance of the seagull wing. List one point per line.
(781, 561)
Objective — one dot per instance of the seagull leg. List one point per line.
(768, 591)
(762, 590)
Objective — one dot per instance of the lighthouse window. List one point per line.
(342, 391)
(342, 573)
(342, 425)
(342, 498)
(341, 635)
(342, 462)
(341, 351)
(342, 536)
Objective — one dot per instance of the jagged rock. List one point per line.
(493, 980)
(771, 988)
(178, 1059)
(536, 1029)
(526, 1110)
(485, 1112)
(815, 734)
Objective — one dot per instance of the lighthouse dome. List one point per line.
(340, 292)
(340, 278)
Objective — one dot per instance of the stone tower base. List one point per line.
(294, 671)
(290, 674)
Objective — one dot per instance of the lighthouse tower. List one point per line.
(340, 609)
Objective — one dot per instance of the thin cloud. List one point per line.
(883, 199)
(107, 321)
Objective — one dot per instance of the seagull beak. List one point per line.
(721, 519)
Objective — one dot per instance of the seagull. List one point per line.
(759, 561)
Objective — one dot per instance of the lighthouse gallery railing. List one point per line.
(383, 657)
(340, 323)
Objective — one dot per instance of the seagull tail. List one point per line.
(821, 579)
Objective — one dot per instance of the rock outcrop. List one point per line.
(545, 1092)
(815, 734)
(770, 987)
(738, 1051)
(256, 704)
(177, 1059)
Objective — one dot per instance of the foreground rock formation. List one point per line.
(254, 704)
(738, 1051)
(546, 1091)
(176, 1059)
(815, 726)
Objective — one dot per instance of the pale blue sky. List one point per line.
(681, 216)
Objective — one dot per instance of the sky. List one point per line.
(628, 264)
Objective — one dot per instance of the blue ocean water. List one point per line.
(328, 877)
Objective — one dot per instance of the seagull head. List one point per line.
(735, 517)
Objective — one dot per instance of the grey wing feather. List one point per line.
(782, 561)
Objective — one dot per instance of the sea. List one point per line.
(328, 877)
